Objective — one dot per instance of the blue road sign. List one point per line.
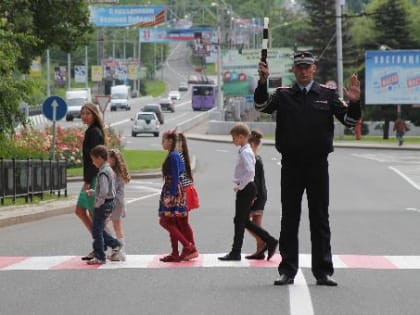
(54, 104)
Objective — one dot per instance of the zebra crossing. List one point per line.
(71, 262)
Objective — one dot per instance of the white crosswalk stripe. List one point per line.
(8, 263)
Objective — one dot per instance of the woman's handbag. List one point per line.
(191, 196)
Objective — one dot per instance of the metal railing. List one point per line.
(27, 178)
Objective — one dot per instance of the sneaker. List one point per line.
(116, 256)
(89, 256)
(96, 261)
(123, 256)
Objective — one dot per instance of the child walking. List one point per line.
(172, 201)
(257, 208)
(117, 163)
(103, 206)
(243, 179)
(191, 197)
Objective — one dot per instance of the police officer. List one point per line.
(304, 137)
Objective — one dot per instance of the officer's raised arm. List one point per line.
(262, 100)
(349, 113)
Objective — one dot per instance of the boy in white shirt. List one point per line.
(243, 179)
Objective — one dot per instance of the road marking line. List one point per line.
(120, 122)
(300, 297)
(8, 263)
(38, 263)
(367, 262)
(412, 183)
(143, 197)
(405, 262)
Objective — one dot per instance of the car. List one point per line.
(167, 104)
(145, 122)
(174, 95)
(183, 87)
(156, 109)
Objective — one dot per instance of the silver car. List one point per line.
(145, 122)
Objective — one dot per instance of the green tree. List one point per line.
(321, 36)
(12, 91)
(28, 28)
(389, 24)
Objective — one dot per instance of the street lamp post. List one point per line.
(218, 115)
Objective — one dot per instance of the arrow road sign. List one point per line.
(54, 108)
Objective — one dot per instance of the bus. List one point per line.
(203, 96)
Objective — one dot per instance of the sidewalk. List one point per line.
(25, 213)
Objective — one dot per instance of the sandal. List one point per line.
(189, 253)
(170, 258)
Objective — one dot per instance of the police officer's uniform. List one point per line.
(304, 137)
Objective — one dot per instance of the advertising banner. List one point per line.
(80, 73)
(60, 75)
(392, 77)
(240, 70)
(127, 15)
(35, 71)
(120, 69)
(164, 35)
(97, 73)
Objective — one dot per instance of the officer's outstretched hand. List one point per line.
(353, 93)
(263, 72)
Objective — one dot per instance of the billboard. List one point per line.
(240, 69)
(165, 35)
(392, 77)
(127, 15)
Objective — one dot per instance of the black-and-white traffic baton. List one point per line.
(265, 41)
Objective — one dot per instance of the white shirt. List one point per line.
(245, 167)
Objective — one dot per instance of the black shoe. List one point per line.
(89, 256)
(230, 256)
(326, 280)
(271, 248)
(256, 256)
(284, 280)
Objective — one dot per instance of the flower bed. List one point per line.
(36, 144)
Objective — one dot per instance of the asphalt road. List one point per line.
(374, 218)
(374, 214)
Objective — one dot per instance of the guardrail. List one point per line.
(26, 178)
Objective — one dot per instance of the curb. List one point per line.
(337, 144)
(25, 218)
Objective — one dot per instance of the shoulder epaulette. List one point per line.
(327, 87)
(283, 87)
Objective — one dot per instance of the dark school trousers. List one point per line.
(298, 175)
(241, 220)
(100, 236)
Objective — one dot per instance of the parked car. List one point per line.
(167, 104)
(183, 87)
(156, 109)
(145, 122)
(174, 95)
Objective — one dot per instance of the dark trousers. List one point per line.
(100, 236)
(298, 175)
(241, 220)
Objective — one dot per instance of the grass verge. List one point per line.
(136, 160)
